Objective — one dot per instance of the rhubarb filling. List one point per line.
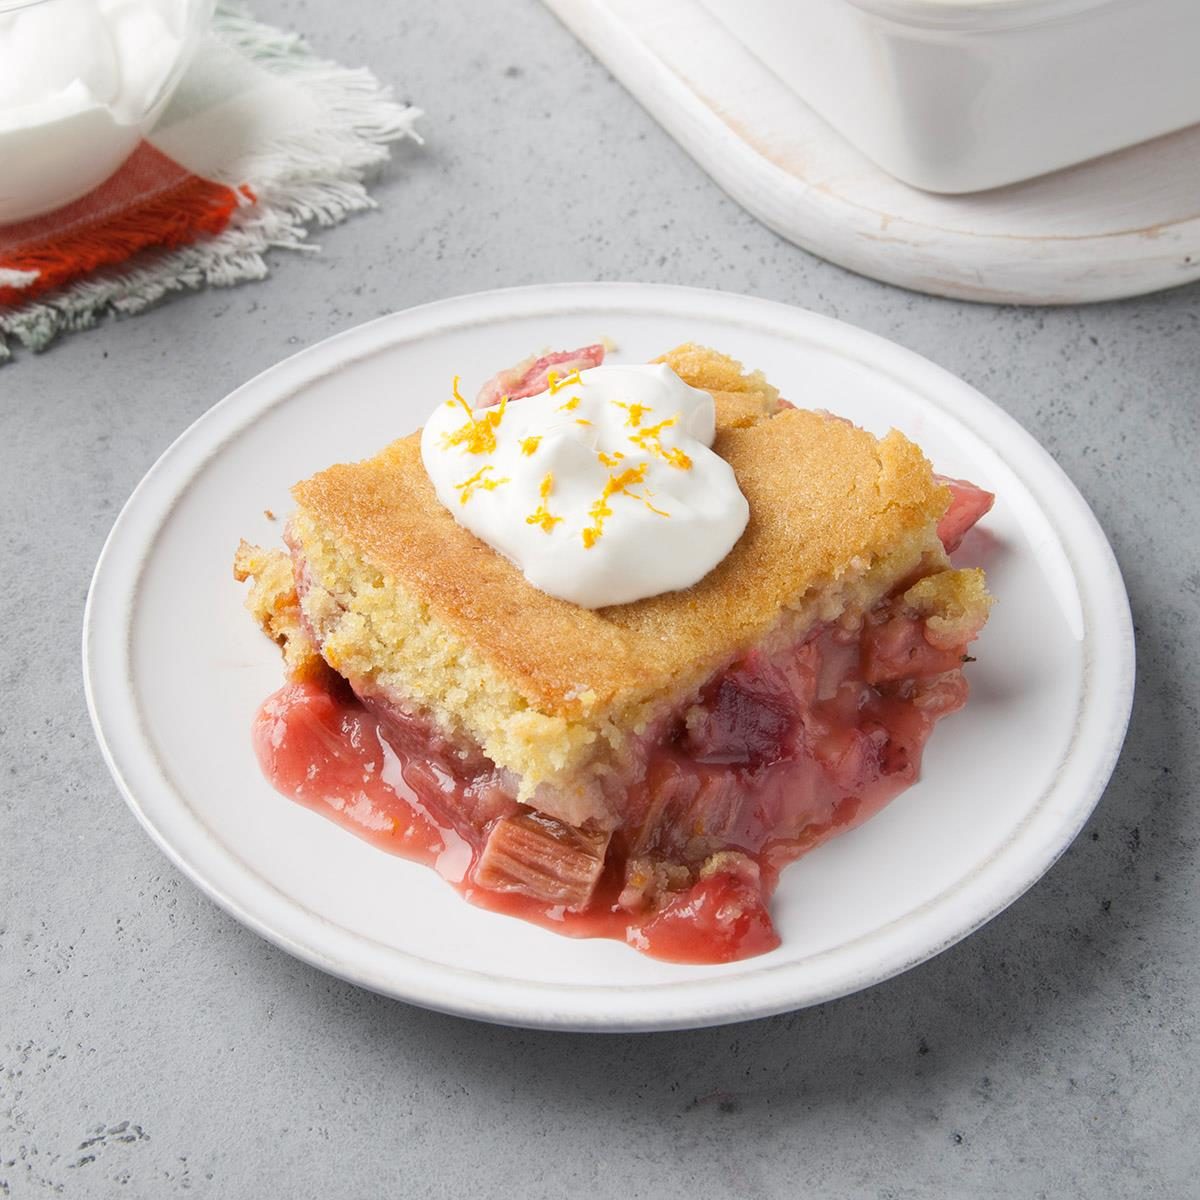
(776, 753)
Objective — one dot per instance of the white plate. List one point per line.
(175, 670)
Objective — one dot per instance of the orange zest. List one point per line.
(556, 383)
(542, 515)
(530, 444)
(650, 440)
(635, 413)
(570, 406)
(478, 483)
(478, 435)
(617, 485)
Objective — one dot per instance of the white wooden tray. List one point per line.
(1118, 226)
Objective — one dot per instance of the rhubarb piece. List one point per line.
(721, 918)
(744, 720)
(925, 632)
(532, 376)
(541, 857)
(967, 504)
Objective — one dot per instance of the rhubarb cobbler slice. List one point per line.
(613, 645)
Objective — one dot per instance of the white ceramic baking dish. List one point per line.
(963, 95)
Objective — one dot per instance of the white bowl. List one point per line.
(963, 95)
(60, 149)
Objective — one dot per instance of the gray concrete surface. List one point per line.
(150, 1046)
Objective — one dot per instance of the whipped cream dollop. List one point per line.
(602, 489)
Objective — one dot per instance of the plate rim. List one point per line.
(1105, 699)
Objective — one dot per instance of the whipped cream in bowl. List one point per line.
(81, 82)
(603, 489)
